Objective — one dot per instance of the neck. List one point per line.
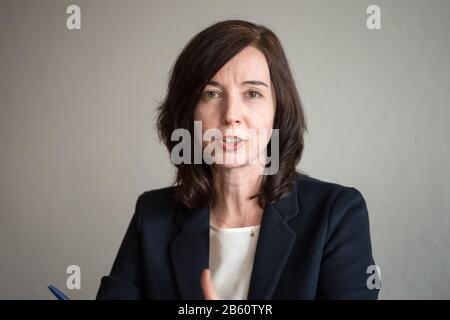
(236, 204)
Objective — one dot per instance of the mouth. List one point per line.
(232, 142)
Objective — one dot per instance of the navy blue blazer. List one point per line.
(313, 244)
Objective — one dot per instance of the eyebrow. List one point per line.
(253, 82)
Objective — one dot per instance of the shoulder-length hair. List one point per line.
(202, 57)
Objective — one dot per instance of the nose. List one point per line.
(232, 110)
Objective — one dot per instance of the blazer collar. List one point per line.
(190, 248)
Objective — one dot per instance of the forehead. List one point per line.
(249, 64)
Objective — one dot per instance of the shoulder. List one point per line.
(308, 184)
(157, 197)
(156, 204)
(312, 190)
(330, 202)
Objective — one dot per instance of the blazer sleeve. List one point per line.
(125, 280)
(347, 252)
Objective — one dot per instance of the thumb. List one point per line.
(209, 292)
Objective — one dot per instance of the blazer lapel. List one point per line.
(190, 248)
(274, 246)
(190, 251)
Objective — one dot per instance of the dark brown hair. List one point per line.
(200, 60)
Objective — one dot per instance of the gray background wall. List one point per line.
(78, 142)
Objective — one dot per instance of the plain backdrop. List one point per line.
(78, 143)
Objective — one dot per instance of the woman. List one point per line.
(236, 225)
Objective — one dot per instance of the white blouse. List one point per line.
(231, 255)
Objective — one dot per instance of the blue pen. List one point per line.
(57, 293)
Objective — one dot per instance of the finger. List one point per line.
(209, 292)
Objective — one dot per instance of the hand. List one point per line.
(209, 292)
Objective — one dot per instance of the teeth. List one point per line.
(232, 139)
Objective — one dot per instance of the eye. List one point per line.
(211, 95)
(252, 94)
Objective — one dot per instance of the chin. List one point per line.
(231, 165)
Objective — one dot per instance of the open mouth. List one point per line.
(232, 139)
(232, 142)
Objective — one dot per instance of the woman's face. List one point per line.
(239, 102)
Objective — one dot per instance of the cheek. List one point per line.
(263, 119)
(209, 115)
(207, 119)
(204, 113)
(263, 122)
